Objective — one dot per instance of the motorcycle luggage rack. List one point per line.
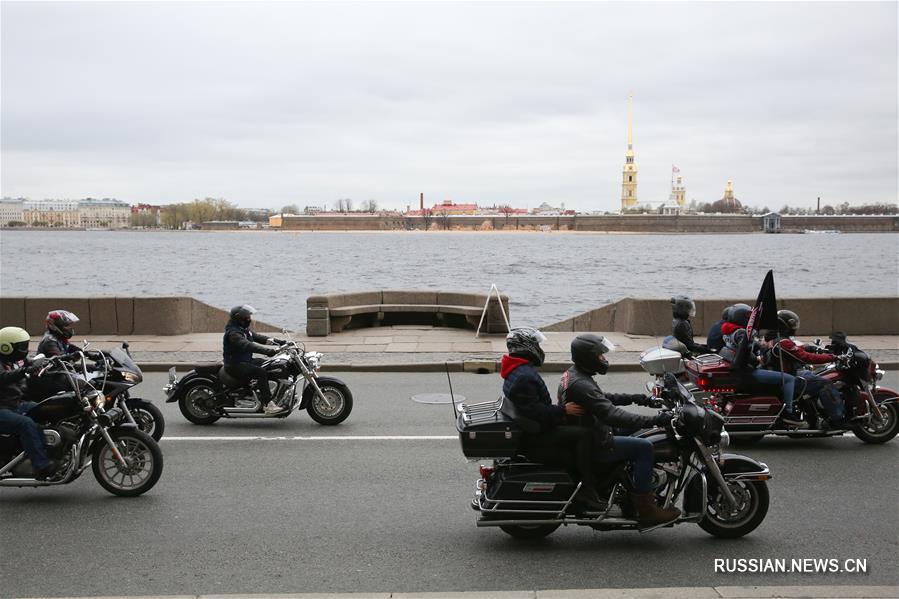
(708, 359)
(482, 411)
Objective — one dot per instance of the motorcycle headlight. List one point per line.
(724, 443)
(132, 377)
(313, 359)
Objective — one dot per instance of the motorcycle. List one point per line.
(80, 432)
(208, 392)
(751, 412)
(725, 494)
(113, 373)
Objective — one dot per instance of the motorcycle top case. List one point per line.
(494, 434)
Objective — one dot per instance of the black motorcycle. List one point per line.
(208, 392)
(725, 494)
(80, 432)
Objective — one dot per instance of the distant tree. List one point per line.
(16, 223)
(290, 209)
(828, 210)
(39, 223)
(427, 216)
(443, 215)
(370, 206)
(506, 211)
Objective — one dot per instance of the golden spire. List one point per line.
(630, 124)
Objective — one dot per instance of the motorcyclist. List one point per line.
(683, 308)
(547, 437)
(238, 346)
(59, 330)
(14, 367)
(715, 338)
(603, 412)
(745, 357)
(791, 358)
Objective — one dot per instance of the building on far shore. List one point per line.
(11, 211)
(51, 213)
(104, 214)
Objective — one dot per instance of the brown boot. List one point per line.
(649, 514)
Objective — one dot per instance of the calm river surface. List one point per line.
(548, 276)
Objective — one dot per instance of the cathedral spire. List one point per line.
(629, 174)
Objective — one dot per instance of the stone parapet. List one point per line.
(121, 315)
(819, 316)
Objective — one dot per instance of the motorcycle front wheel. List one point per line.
(532, 532)
(752, 507)
(194, 402)
(881, 431)
(148, 418)
(336, 409)
(142, 468)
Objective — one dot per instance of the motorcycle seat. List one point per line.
(228, 380)
(209, 369)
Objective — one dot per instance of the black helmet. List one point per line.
(525, 342)
(739, 314)
(14, 343)
(725, 314)
(682, 306)
(59, 322)
(243, 315)
(787, 322)
(587, 352)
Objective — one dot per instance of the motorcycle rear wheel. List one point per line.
(752, 507)
(532, 532)
(341, 404)
(144, 463)
(869, 432)
(148, 418)
(197, 391)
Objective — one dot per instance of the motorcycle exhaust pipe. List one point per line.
(240, 410)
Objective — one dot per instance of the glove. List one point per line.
(663, 419)
(36, 364)
(655, 402)
(280, 341)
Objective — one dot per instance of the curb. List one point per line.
(722, 592)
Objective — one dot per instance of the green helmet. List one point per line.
(14, 342)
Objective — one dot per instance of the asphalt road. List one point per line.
(252, 509)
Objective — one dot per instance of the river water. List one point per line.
(548, 276)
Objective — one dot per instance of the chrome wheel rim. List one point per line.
(194, 398)
(144, 420)
(138, 467)
(334, 397)
(745, 509)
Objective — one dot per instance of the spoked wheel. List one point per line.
(148, 418)
(142, 463)
(197, 401)
(532, 532)
(752, 505)
(879, 431)
(334, 407)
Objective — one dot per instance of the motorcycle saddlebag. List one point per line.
(521, 485)
(485, 432)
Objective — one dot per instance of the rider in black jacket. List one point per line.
(59, 330)
(547, 438)
(577, 386)
(238, 346)
(683, 308)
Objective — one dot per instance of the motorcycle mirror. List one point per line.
(84, 343)
(818, 341)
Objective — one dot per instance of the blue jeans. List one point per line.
(635, 450)
(14, 421)
(819, 387)
(772, 377)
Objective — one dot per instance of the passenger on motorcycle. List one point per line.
(14, 366)
(59, 330)
(715, 338)
(683, 308)
(745, 359)
(784, 354)
(602, 413)
(547, 437)
(238, 346)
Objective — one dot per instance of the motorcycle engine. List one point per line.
(659, 479)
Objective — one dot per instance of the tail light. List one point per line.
(705, 383)
(486, 471)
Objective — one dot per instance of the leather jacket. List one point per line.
(682, 330)
(602, 409)
(51, 345)
(240, 343)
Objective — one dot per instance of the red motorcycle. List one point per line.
(751, 412)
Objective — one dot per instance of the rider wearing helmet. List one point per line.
(238, 346)
(14, 367)
(602, 414)
(683, 308)
(715, 338)
(789, 357)
(543, 421)
(59, 330)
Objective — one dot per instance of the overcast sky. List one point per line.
(267, 104)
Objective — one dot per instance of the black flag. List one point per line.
(764, 313)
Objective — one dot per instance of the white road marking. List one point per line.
(321, 438)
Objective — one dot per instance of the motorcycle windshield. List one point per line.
(124, 361)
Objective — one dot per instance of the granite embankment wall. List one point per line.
(630, 223)
(120, 315)
(818, 316)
